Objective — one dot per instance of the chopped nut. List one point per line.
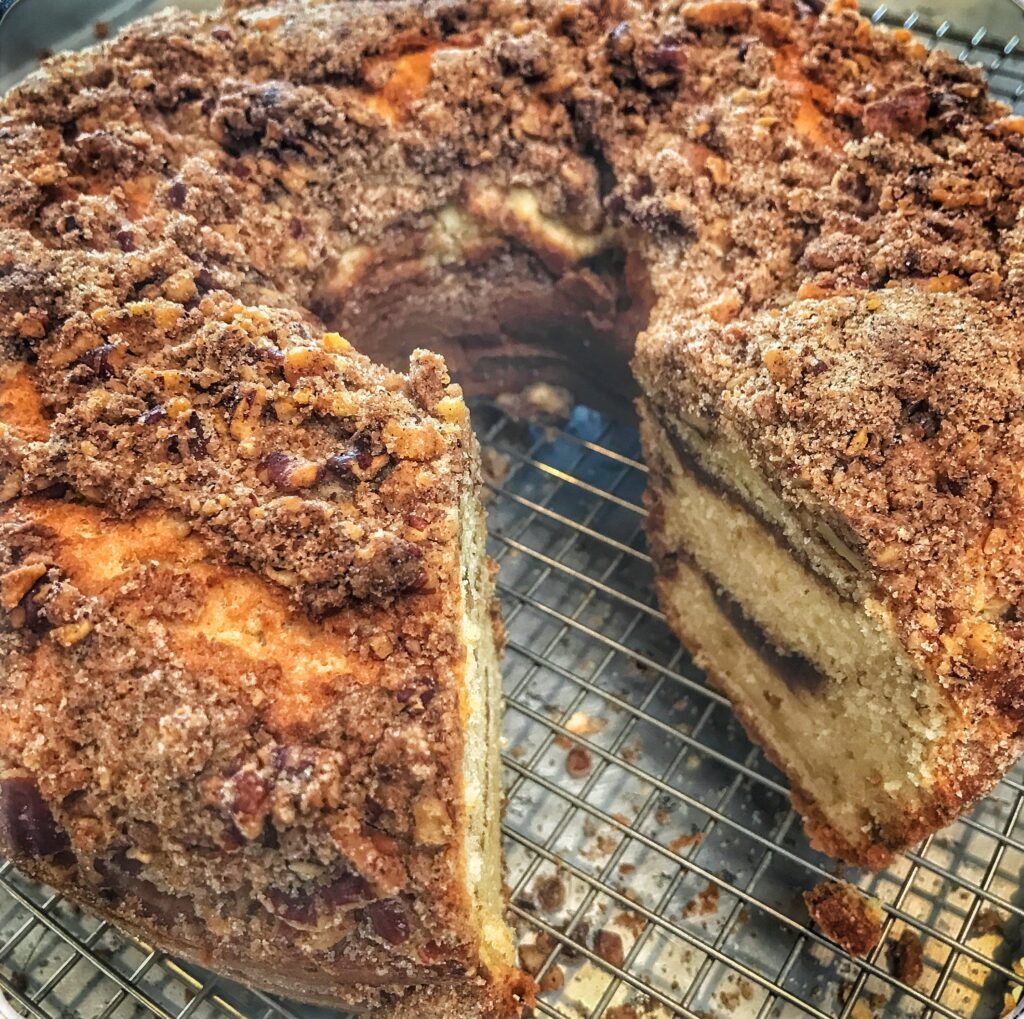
(302, 362)
(811, 292)
(431, 822)
(945, 283)
(452, 409)
(719, 169)
(268, 23)
(858, 443)
(381, 645)
(16, 584)
(777, 363)
(288, 473)
(246, 413)
(1008, 125)
(286, 578)
(982, 642)
(180, 287)
(718, 14)
(72, 633)
(725, 308)
(178, 407)
(335, 343)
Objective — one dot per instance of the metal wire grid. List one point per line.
(666, 827)
(709, 925)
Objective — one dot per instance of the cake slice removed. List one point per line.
(835, 517)
(249, 678)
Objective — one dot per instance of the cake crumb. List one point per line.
(101, 29)
(704, 903)
(495, 465)
(582, 724)
(540, 403)
(988, 921)
(553, 980)
(608, 945)
(578, 762)
(694, 839)
(551, 893)
(852, 920)
(633, 922)
(906, 958)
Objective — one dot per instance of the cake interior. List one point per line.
(481, 761)
(776, 614)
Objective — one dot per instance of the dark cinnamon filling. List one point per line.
(716, 486)
(795, 671)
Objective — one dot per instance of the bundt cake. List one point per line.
(249, 684)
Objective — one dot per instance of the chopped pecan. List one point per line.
(18, 582)
(288, 473)
(389, 920)
(903, 112)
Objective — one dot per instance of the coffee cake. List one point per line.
(249, 679)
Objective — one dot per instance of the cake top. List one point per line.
(171, 212)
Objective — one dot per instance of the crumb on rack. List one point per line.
(852, 920)
(608, 945)
(906, 957)
(694, 839)
(704, 903)
(540, 403)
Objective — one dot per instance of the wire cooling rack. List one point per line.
(654, 865)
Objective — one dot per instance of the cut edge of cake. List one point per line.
(807, 559)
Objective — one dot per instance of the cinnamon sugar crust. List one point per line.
(230, 541)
